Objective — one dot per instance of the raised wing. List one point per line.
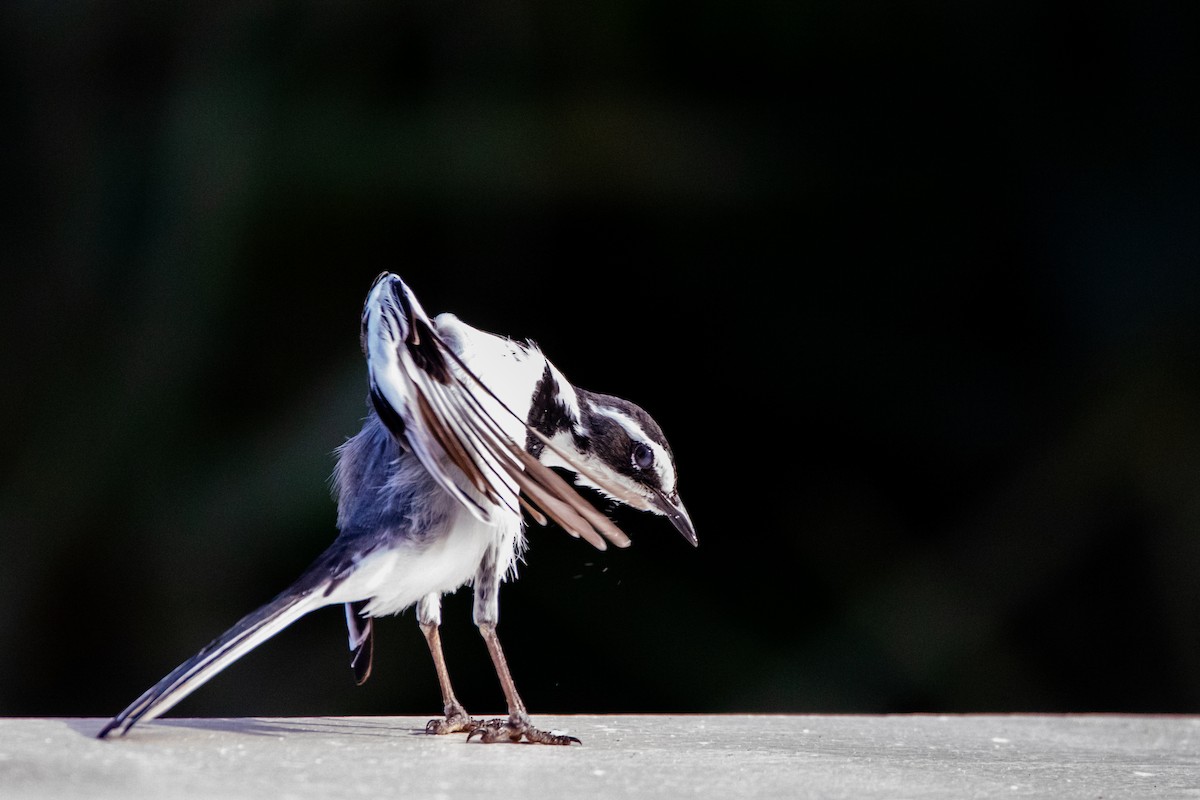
(432, 402)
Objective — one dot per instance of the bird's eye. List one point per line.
(642, 456)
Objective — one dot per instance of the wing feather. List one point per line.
(433, 402)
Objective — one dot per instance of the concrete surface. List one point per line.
(621, 757)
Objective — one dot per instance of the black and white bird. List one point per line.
(464, 430)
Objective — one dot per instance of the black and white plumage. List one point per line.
(464, 429)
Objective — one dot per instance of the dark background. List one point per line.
(912, 288)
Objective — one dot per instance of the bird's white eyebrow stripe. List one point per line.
(631, 427)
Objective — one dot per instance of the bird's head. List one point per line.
(617, 443)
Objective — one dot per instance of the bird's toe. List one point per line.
(457, 720)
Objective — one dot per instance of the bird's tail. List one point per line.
(251, 631)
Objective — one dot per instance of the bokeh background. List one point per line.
(912, 287)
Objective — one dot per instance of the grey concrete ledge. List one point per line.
(726, 756)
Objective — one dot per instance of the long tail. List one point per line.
(251, 631)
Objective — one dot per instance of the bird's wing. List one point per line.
(432, 402)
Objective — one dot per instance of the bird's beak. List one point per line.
(669, 506)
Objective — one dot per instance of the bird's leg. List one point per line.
(457, 719)
(487, 613)
(517, 726)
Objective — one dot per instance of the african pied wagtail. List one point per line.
(463, 430)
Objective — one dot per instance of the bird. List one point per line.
(467, 436)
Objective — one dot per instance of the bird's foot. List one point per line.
(457, 720)
(516, 728)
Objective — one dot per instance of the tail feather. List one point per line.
(249, 632)
(362, 641)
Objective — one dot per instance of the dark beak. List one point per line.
(669, 506)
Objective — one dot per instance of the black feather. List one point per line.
(387, 415)
(363, 655)
(426, 353)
